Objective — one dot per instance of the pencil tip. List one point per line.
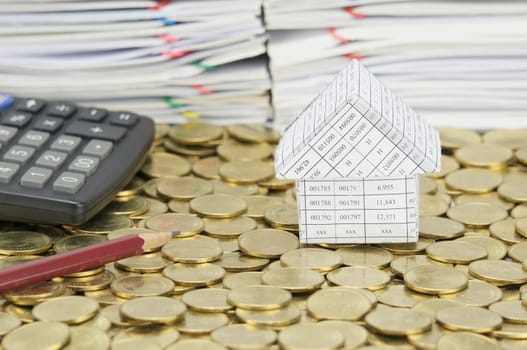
(175, 233)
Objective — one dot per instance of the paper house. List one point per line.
(355, 151)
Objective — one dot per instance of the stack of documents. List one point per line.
(458, 63)
(168, 60)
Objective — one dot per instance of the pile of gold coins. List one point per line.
(237, 276)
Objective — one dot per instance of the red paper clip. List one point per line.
(202, 89)
(159, 5)
(340, 38)
(174, 54)
(167, 38)
(352, 56)
(349, 10)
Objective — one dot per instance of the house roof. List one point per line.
(356, 127)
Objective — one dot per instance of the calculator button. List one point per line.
(30, 105)
(98, 148)
(35, 177)
(48, 124)
(66, 143)
(63, 110)
(16, 118)
(7, 171)
(19, 154)
(34, 138)
(7, 133)
(94, 130)
(6, 101)
(123, 118)
(69, 182)
(51, 159)
(84, 164)
(93, 114)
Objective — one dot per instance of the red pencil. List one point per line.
(80, 259)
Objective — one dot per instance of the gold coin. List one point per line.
(338, 303)
(23, 242)
(478, 293)
(428, 339)
(510, 138)
(293, 279)
(498, 272)
(129, 206)
(448, 165)
(466, 340)
(510, 331)
(359, 277)
(157, 309)
(398, 321)
(187, 225)
(256, 205)
(207, 300)
(70, 309)
(194, 250)
(491, 198)
(8, 323)
(511, 311)
(427, 185)
(259, 297)
(310, 336)
(242, 279)
(37, 335)
(433, 305)
(21, 312)
(408, 248)
(484, 155)
(456, 252)
(267, 243)
(87, 338)
(400, 296)
(194, 274)
(274, 318)
(477, 214)
(135, 286)
(103, 223)
(161, 164)
(282, 216)
(318, 259)
(77, 241)
(236, 151)
(113, 314)
(468, 318)
(518, 251)
(505, 231)
(202, 344)
(435, 279)
(133, 231)
(208, 168)
(191, 150)
(365, 256)
(145, 263)
(277, 184)
(354, 334)
(150, 187)
(236, 261)
(243, 336)
(220, 206)
(476, 181)
(431, 205)
(246, 172)
(135, 186)
(440, 228)
(496, 250)
(155, 207)
(255, 133)
(104, 297)
(35, 293)
(521, 226)
(521, 155)
(453, 138)
(195, 323)
(513, 192)
(177, 206)
(403, 264)
(220, 187)
(195, 133)
(229, 228)
(228, 245)
(160, 335)
(183, 188)
(160, 130)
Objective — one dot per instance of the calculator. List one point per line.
(61, 163)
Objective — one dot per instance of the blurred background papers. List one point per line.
(458, 63)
